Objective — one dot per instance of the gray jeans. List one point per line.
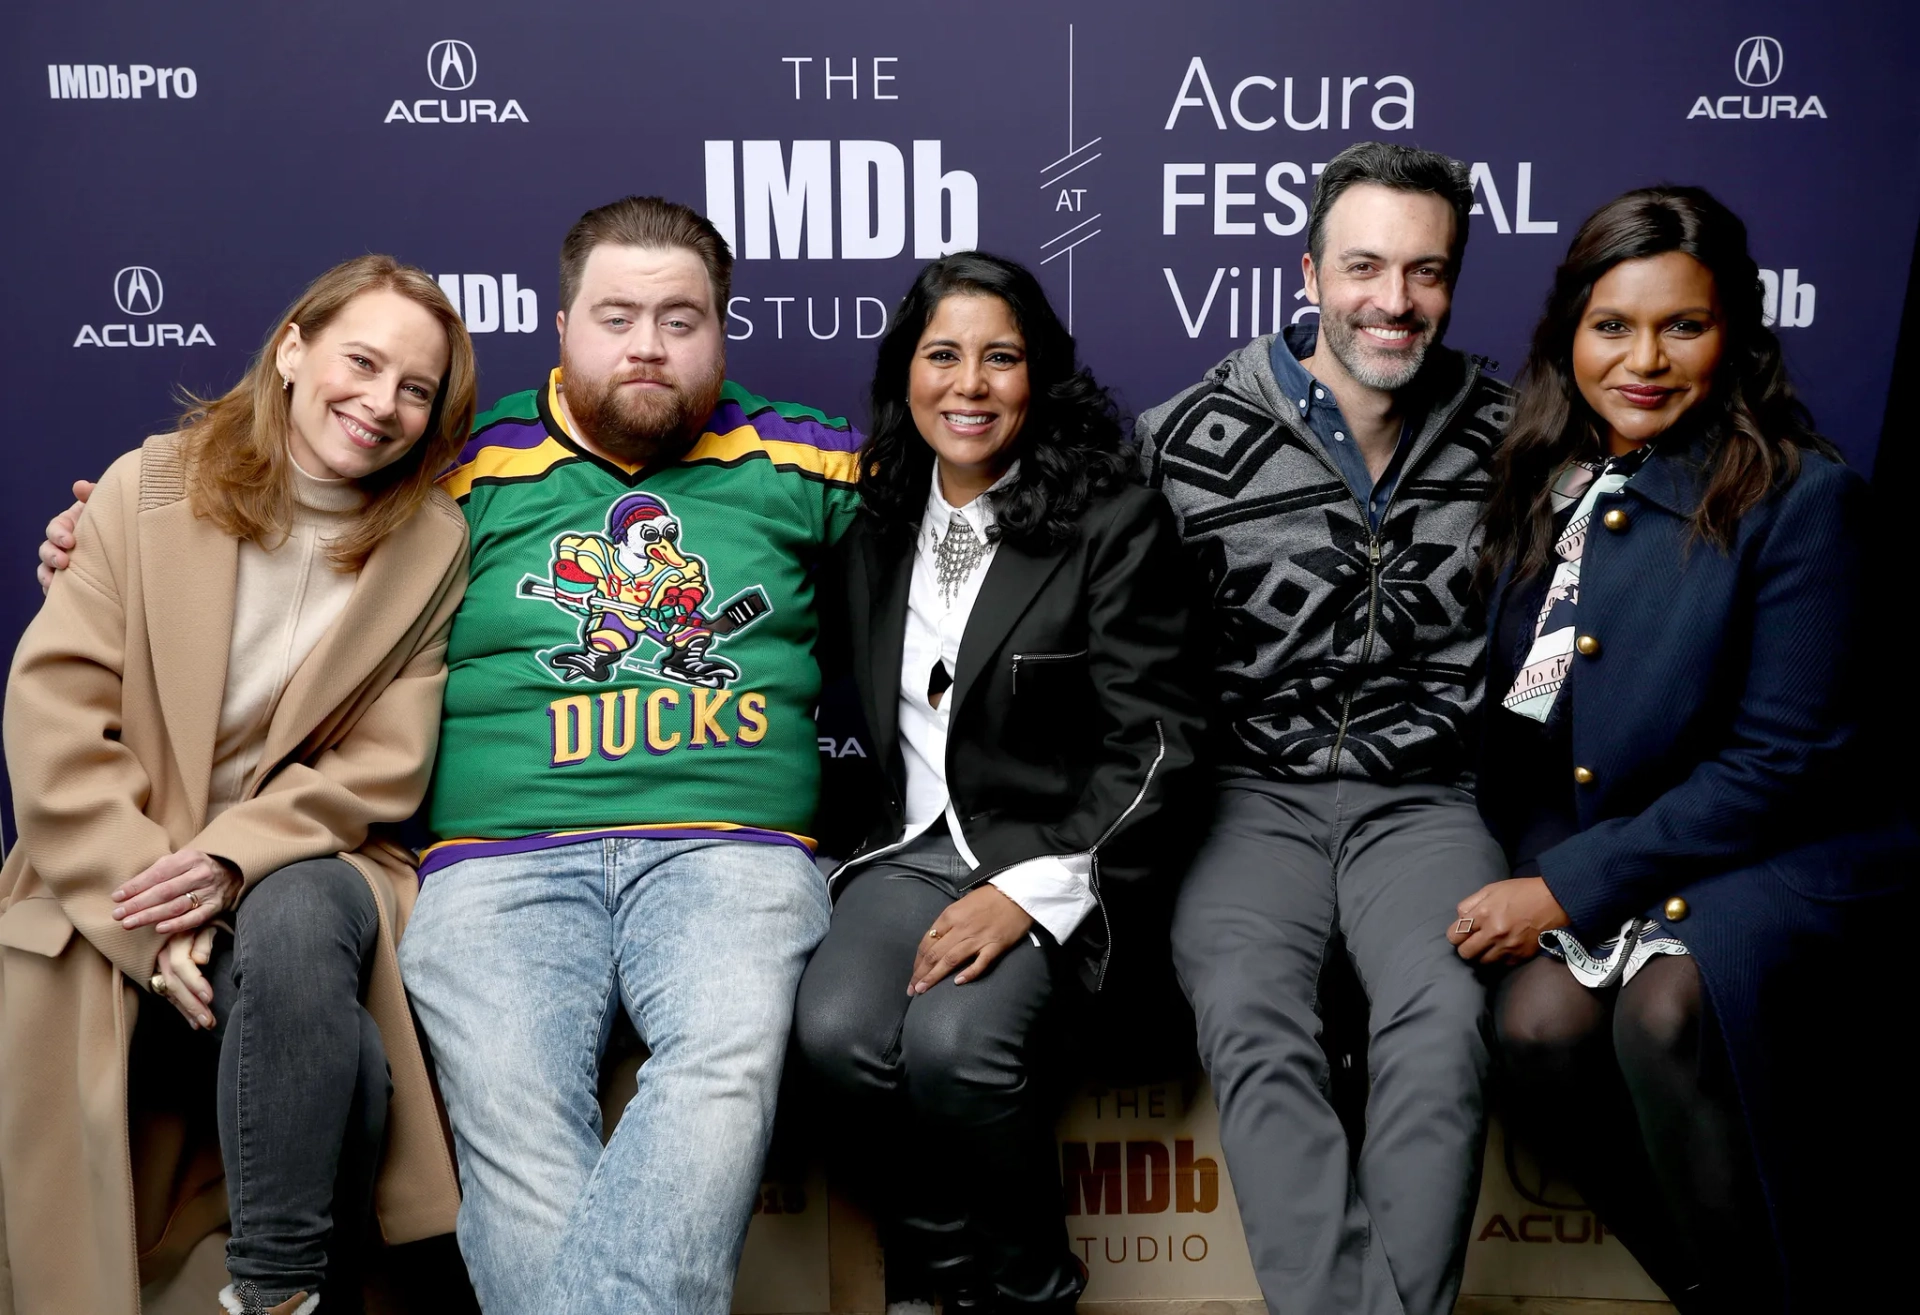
(302, 1086)
(1285, 867)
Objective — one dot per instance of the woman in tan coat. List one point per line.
(222, 708)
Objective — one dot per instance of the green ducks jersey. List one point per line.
(634, 655)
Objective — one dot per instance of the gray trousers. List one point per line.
(1283, 869)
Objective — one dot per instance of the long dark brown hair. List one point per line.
(1754, 427)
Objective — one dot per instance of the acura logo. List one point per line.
(137, 289)
(1758, 62)
(451, 65)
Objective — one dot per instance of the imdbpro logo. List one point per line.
(1758, 62)
(452, 66)
(111, 82)
(138, 290)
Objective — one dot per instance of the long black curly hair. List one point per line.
(1071, 448)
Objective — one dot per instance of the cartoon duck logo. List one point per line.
(635, 583)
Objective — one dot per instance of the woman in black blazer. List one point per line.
(1672, 761)
(1017, 620)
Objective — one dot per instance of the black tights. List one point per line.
(1628, 1093)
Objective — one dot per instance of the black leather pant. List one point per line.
(941, 1103)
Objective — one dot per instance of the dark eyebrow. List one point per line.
(997, 342)
(1690, 312)
(1355, 253)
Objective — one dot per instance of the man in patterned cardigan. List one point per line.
(1328, 479)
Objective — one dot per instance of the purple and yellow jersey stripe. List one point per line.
(448, 852)
(526, 436)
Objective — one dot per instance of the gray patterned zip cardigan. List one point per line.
(1338, 651)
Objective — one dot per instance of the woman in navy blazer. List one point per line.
(1672, 760)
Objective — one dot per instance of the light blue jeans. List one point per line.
(515, 965)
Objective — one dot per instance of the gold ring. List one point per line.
(193, 898)
(933, 934)
(1464, 926)
(158, 983)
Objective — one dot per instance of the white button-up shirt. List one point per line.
(1045, 888)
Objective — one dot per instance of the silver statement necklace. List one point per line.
(955, 557)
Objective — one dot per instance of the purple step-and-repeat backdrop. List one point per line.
(174, 175)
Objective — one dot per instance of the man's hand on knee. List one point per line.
(60, 535)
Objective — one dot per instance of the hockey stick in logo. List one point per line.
(740, 611)
(735, 615)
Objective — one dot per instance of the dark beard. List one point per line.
(1343, 340)
(640, 428)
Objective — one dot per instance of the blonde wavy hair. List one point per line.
(240, 471)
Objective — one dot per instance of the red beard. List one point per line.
(640, 426)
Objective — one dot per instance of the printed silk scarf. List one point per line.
(1537, 685)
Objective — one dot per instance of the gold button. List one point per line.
(1676, 909)
(1615, 520)
(1588, 646)
(1582, 776)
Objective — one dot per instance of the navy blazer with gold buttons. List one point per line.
(1717, 721)
(1715, 711)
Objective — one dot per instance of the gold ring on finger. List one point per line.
(1464, 927)
(159, 984)
(933, 934)
(193, 898)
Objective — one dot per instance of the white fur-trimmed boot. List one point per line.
(243, 1298)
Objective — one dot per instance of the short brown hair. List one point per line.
(240, 472)
(1404, 169)
(646, 221)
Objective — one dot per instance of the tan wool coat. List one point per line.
(111, 710)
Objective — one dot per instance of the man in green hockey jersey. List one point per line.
(627, 769)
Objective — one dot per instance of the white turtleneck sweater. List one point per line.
(285, 598)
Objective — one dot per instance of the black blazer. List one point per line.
(1075, 709)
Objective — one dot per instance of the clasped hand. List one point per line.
(178, 896)
(1502, 922)
(969, 935)
(180, 892)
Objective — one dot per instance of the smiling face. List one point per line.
(1648, 345)
(1384, 282)
(968, 391)
(642, 356)
(363, 385)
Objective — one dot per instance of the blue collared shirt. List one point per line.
(1315, 405)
